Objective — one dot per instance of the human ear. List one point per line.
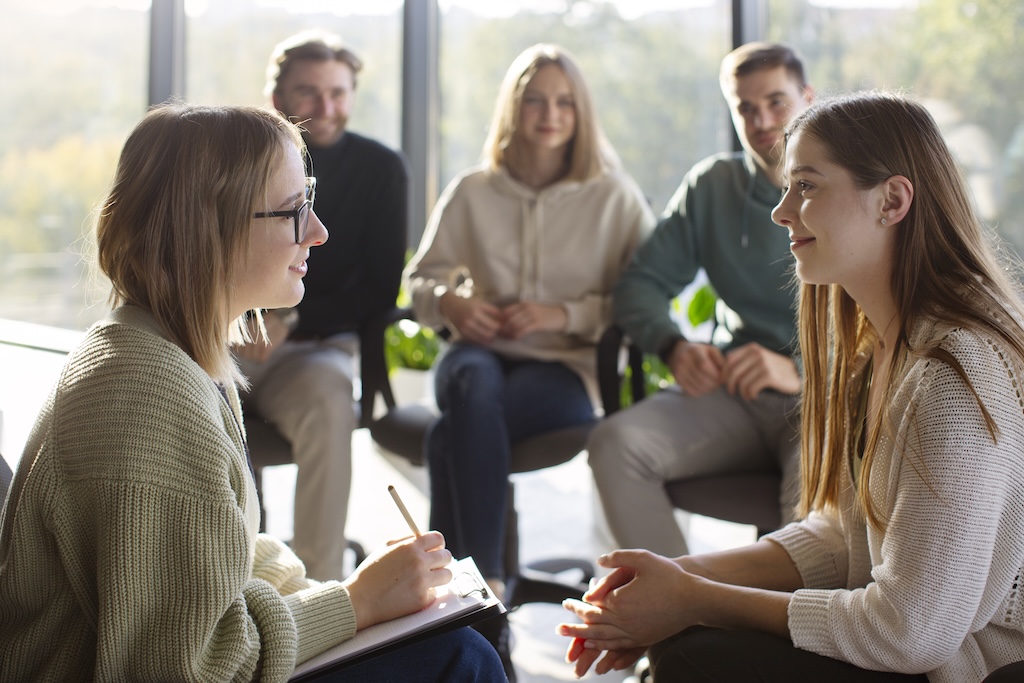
(897, 196)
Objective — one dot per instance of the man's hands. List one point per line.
(746, 371)
(399, 578)
(480, 322)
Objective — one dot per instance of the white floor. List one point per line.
(558, 514)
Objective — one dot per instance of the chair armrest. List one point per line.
(609, 376)
(373, 366)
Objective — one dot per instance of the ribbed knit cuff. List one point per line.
(278, 638)
(805, 549)
(809, 622)
(324, 617)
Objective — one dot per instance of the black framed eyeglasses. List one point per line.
(300, 214)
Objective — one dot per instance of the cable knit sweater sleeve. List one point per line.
(128, 541)
(936, 591)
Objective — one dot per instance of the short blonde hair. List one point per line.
(589, 153)
(176, 223)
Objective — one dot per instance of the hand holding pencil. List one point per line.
(399, 578)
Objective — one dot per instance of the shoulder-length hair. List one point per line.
(945, 268)
(176, 223)
(588, 155)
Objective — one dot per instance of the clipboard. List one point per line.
(462, 602)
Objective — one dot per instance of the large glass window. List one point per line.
(74, 83)
(229, 43)
(961, 58)
(652, 67)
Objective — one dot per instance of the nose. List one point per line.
(324, 105)
(316, 232)
(781, 214)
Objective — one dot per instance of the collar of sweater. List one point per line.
(508, 185)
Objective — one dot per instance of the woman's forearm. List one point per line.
(764, 564)
(723, 605)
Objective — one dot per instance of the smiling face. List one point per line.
(762, 103)
(318, 95)
(547, 113)
(273, 264)
(834, 227)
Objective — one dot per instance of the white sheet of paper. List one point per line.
(452, 601)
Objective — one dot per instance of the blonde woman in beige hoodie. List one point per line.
(518, 262)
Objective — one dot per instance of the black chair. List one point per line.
(401, 429)
(267, 448)
(743, 498)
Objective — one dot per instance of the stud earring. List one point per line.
(884, 221)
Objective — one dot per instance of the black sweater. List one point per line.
(362, 196)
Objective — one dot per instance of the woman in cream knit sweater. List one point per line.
(129, 544)
(907, 565)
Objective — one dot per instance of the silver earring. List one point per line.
(884, 221)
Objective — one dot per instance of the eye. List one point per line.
(802, 186)
(566, 103)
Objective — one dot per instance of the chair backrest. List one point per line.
(5, 478)
(610, 348)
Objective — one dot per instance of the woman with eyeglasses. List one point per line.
(129, 542)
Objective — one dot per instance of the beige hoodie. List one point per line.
(566, 244)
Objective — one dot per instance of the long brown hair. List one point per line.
(946, 269)
(172, 230)
(589, 154)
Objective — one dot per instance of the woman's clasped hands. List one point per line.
(480, 321)
(643, 600)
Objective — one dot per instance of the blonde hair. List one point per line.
(176, 222)
(588, 155)
(945, 269)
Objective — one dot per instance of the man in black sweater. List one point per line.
(302, 376)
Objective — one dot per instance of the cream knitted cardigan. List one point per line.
(129, 544)
(938, 591)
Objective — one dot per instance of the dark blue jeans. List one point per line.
(460, 656)
(489, 402)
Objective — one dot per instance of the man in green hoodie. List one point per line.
(734, 407)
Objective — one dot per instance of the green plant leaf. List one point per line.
(702, 306)
(409, 345)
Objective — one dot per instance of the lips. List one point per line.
(795, 241)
